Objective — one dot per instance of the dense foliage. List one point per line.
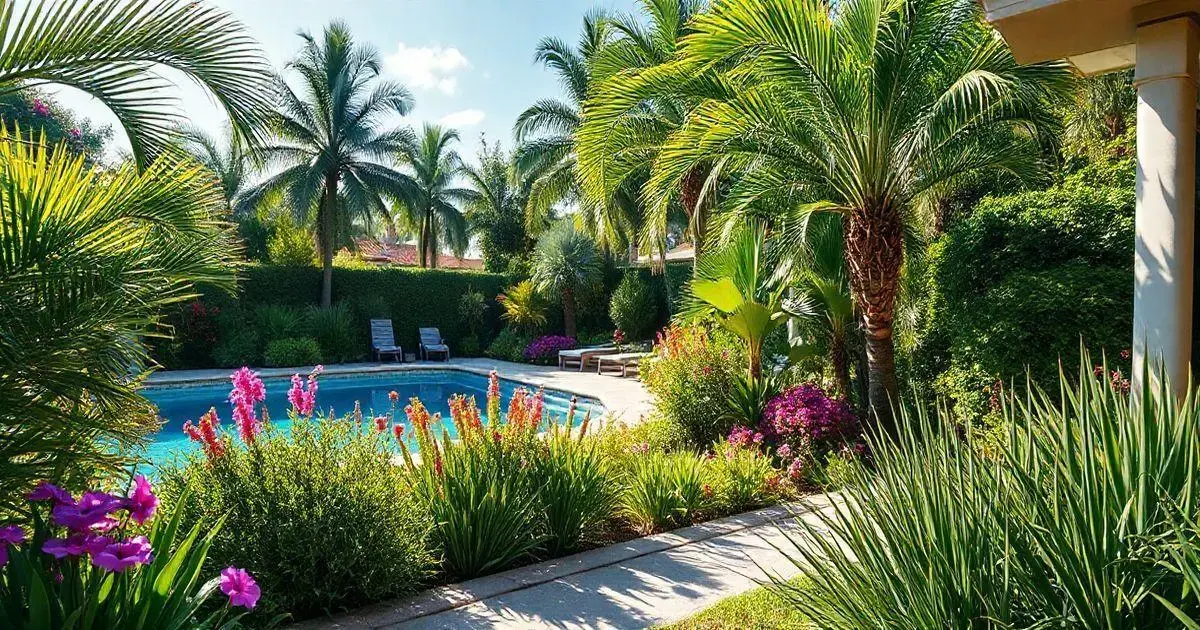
(1083, 518)
(319, 515)
(1022, 280)
(691, 376)
(342, 333)
(634, 307)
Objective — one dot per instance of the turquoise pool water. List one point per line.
(178, 404)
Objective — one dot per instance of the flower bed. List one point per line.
(544, 350)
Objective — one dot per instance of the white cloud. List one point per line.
(428, 67)
(463, 118)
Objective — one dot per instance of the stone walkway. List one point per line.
(625, 398)
(642, 583)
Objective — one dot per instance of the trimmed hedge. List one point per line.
(410, 297)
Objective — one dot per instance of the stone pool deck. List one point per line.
(625, 398)
(638, 584)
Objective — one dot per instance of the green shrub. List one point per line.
(292, 352)
(633, 307)
(468, 347)
(692, 376)
(663, 490)
(320, 517)
(510, 345)
(1018, 283)
(291, 245)
(331, 327)
(1069, 526)
(576, 490)
(740, 476)
(472, 306)
(658, 433)
(237, 349)
(275, 321)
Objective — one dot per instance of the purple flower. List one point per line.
(805, 416)
(9, 535)
(46, 491)
(75, 545)
(142, 503)
(118, 556)
(240, 587)
(248, 390)
(91, 513)
(784, 452)
(547, 348)
(40, 108)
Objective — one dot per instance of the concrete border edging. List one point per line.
(449, 597)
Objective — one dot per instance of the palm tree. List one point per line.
(565, 262)
(430, 199)
(863, 111)
(545, 133)
(226, 158)
(88, 262)
(329, 141)
(822, 303)
(113, 50)
(496, 215)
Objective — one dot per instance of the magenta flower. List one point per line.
(9, 535)
(547, 348)
(40, 108)
(142, 503)
(75, 545)
(91, 513)
(304, 396)
(248, 390)
(118, 556)
(784, 452)
(240, 587)
(46, 491)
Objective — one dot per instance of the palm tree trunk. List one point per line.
(433, 242)
(689, 196)
(328, 208)
(874, 255)
(841, 364)
(422, 234)
(568, 298)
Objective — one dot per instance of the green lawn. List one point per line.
(759, 609)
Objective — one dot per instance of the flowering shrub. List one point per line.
(740, 474)
(545, 349)
(692, 374)
(320, 516)
(84, 565)
(805, 424)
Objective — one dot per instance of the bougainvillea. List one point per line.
(545, 349)
(805, 424)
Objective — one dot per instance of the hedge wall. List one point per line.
(410, 297)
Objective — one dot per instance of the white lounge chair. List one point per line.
(582, 357)
(622, 363)
(383, 340)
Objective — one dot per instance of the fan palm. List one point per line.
(226, 158)
(88, 261)
(112, 50)
(496, 214)
(329, 140)
(565, 262)
(866, 108)
(431, 197)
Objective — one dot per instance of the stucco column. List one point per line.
(1165, 78)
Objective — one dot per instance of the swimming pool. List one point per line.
(180, 403)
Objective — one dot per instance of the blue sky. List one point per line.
(469, 63)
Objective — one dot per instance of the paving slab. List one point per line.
(641, 583)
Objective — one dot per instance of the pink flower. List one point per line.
(118, 556)
(248, 390)
(796, 470)
(398, 431)
(207, 433)
(9, 535)
(784, 452)
(240, 587)
(75, 545)
(381, 424)
(40, 108)
(142, 502)
(393, 396)
(303, 400)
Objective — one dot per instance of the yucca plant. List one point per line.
(88, 264)
(662, 490)
(1070, 525)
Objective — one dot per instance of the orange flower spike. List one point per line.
(587, 417)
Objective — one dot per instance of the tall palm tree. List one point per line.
(545, 131)
(862, 110)
(431, 198)
(113, 49)
(88, 263)
(496, 215)
(226, 158)
(565, 262)
(329, 142)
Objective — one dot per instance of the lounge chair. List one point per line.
(582, 357)
(622, 363)
(383, 340)
(432, 343)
